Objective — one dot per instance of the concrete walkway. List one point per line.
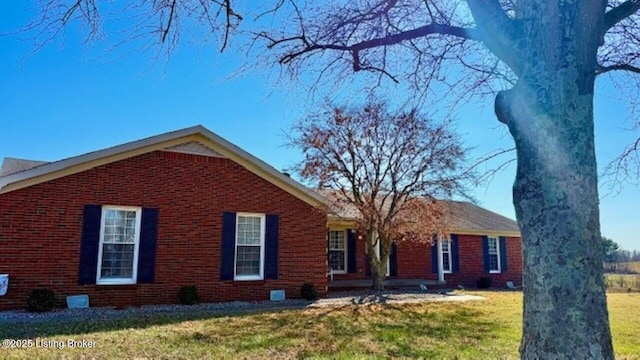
(392, 298)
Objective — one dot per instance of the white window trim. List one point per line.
(497, 239)
(448, 241)
(134, 272)
(346, 247)
(262, 250)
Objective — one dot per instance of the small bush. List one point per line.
(308, 291)
(41, 300)
(483, 282)
(189, 295)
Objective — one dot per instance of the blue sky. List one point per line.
(68, 99)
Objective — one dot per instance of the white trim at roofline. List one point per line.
(344, 223)
(199, 133)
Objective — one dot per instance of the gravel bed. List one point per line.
(230, 308)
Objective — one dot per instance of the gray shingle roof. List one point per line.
(13, 166)
(469, 216)
(463, 216)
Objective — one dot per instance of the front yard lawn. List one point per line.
(476, 329)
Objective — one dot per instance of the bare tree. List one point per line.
(541, 57)
(390, 168)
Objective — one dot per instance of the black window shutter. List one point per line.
(455, 257)
(92, 215)
(434, 256)
(228, 251)
(393, 260)
(503, 254)
(148, 245)
(485, 253)
(271, 247)
(351, 251)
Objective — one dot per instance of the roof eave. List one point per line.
(90, 160)
(341, 222)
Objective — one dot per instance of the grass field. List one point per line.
(482, 329)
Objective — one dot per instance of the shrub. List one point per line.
(484, 282)
(41, 300)
(189, 295)
(308, 291)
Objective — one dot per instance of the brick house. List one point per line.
(131, 224)
(480, 243)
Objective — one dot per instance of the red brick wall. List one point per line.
(472, 267)
(40, 230)
(414, 262)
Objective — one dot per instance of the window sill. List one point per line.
(248, 278)
(495, 272)
(116, 282)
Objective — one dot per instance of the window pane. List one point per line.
(117, 261)
(337, 240)
(336, 260)
(445, 246)
(446, 255)
(493, 254)
(248, 260)
(249, 230)
(120, 226)
(337, 249)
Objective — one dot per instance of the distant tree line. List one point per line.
(625, 256)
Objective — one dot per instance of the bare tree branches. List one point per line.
(465, 48)
(620, 13)
(624, 168)
(159, 20)
(386, 169)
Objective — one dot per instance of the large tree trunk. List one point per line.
(377, 266)
(550, 116)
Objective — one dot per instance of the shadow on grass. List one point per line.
(419, 332)
(133, 320)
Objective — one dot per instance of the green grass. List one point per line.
(483, 329)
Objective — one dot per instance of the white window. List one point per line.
(445, 247)
(119, 242)
(494, 255)
(250, 230)
(338, 251)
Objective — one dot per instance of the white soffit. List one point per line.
(195, 148)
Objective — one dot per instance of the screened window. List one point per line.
(446, 255)
(338, 250)
(119, 240)
(494, 255)
(249, 247)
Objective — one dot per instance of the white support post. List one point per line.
(440, 268)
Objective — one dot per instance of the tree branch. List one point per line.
(166, 30)
(618, 67)
(497, 31)
(619, 13)
(355, 49)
